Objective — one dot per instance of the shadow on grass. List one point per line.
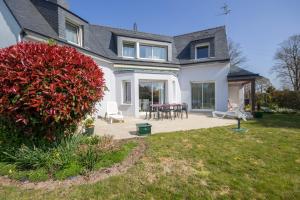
(278, 121)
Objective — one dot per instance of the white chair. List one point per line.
(112, 112)
(236, 112)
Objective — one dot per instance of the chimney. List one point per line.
(62, 3)
(135, 28)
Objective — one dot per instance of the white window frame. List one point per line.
(135, 48)
(79, 32)
(151, 45)
(202, 45)
(124, 89)
(202, 82)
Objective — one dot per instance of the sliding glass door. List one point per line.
(151, 92)
(203, 96)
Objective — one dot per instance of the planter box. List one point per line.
(89, 131)
(258, 115)
(143, 129)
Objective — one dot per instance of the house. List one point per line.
(140, 68)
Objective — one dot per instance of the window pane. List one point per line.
(127, 92)
(208, 96)
(146, 51)
(196, 95)
(203, 96)
(202, 52)
(72, 33)
(129, 50)
(159, 53)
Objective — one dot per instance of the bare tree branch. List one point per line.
(287, 65)
(237, 59)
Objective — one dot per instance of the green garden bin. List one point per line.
(143, 129)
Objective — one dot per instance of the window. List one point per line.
(153, 52)
(151, 92)
(126, 92)
(202, 51)
(203, 96)
(128, 50)
(73, 33)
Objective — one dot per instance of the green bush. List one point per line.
(70, 157)
(71, 170)
(6, 168)
(88, 157)
(38, 175)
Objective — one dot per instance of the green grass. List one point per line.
(215, 163)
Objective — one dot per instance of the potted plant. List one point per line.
(89, 126)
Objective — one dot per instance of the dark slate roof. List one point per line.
(240, 73)
(41, 17)
(28, 16)
(185, 44)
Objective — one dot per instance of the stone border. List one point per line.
(90, 178)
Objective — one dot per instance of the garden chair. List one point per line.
(112, 112)
(166, 111)
(236, 112)
(184, 108)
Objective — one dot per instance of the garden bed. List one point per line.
(116, 157)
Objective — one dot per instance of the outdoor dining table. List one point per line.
(157, 107)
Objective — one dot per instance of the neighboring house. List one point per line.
(139, 68)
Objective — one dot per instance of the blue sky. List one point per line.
(257, 25)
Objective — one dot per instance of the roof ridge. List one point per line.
(208, 29)
(124, 29)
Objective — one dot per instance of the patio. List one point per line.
(128, 128)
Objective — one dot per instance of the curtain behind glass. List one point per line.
(129, 50)
(145, 51)
(71, 33)
(159, 53)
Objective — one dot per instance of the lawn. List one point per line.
(215, 163)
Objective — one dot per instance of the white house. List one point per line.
(140, 68)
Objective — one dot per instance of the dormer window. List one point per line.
(128, 50)
(153, 52)
(202, 51)
(73, 33)
(146, 50)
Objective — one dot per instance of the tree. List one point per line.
(237, 59)
(287, 65)
(262, 84)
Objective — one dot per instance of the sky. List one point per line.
(259, 26)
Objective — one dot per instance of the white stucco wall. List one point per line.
(110, 82)
(127, 109)
(215, 72)
(172, 94)
(9, 28)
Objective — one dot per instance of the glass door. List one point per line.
(151, 92)
(203, 96)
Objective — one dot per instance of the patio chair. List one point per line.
(112, 112)
(185, 109)
(236, 112)
(166, 111)
(177, 109)
(149, 110)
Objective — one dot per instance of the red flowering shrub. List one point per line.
(47, 88)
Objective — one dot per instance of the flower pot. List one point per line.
(89, 130)
(258, 115)
(144, 129)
